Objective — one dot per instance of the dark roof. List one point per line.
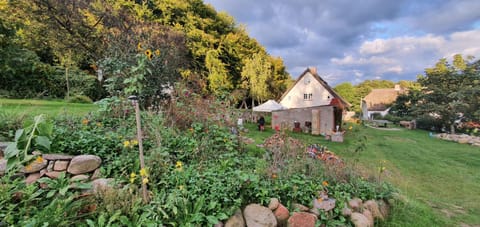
(380, 99)
(313, 71)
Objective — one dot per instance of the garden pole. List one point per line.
(140, 145)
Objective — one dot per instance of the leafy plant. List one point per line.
(34, 136)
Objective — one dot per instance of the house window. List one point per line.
(307, 97)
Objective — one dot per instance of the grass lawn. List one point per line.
(32, 107)
(440, 179)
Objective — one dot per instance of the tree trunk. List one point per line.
(68, 85)
(452, 128)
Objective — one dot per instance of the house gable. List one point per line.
(310, 90)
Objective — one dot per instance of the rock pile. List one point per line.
(362, 214)
(81, 167)
(460, 138)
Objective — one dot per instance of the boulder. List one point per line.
(383, 207)
(324, 204)
(236, 220)
(372, 206)
(3, 166)
(355, 204)
(54, 157)
(84, 164)
(96, 174)
(302, 219)
(346, 212)
(281, 213)
(273, 204)
(53, 174)
(31, 178)
(463, 140)
(60, 165)
(359, 220)
(369, 217)
(259, 216)
(35, 166)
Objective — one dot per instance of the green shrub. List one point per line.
(79, 99)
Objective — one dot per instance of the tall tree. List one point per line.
(256, 72)
(219, 82)
(450, 92)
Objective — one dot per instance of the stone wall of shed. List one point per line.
(324, 122)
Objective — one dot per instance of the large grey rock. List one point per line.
(259, 216)
(84, 164)
(35, 166)
(359, 220)
(302, 219)
(54, 157)
(236, 220)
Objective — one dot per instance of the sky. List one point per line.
(353, 41)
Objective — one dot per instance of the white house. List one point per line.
(310, 90)
(311, 105)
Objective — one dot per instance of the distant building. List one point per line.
(378, 101)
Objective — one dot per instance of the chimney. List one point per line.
(313, 70)
(397, 87)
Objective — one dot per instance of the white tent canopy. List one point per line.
(268, 106)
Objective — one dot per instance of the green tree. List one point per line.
(450, 92)
(219, 82)
(256, 72)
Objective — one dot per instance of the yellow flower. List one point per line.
(350, 128)
(139, 46)
(145, 181)
(132, 180)
(325, 183)
(149, 54)
(133, 175)
(157, 52)
(143, 172)
(134, 142)
(126, 143)
(180, 187)
(39, 159)
(178, 165)
(85, 121)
